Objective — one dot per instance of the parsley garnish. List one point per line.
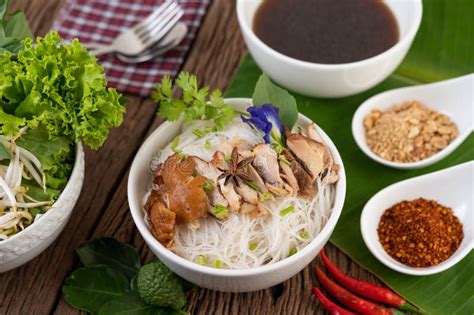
(195, 104)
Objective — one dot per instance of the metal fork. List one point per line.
(137, 39)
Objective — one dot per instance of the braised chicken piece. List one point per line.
(211, 172)
(248, 194)
(308, 151)
(306, 185)
(288, 176)
(266, 164)
(163, 223)
(256, 178)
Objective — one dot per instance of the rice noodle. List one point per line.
(274, 235)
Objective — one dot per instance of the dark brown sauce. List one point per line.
(326, 31)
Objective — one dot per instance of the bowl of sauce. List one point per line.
(329, 48)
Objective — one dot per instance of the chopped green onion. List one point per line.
(220, 212)
(266, 195)
(252, 246)
(287, 210)
(202, 260)
(207, 145)
(252, 185)
(284, 160)
(181, 155)
(208, 186)
(198, 133)
(227, 158)
(174, 145)
(293, 251)
(304, 234)
(217, 264)
(208, 129)
(277, 146)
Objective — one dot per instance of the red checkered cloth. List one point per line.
(100, 21)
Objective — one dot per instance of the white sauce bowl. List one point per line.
(226, 280)
(331, 80)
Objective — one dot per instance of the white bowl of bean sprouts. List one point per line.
(242, 270)
(33, 239)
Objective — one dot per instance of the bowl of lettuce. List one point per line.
(53, 100)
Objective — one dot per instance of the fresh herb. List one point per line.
(60, 87)
(195, 104)
(208, 186)
(202, 260)
(252, 246)
(266, 195)
(114, 282)
(217, 264)
(13, 29)
(284, 160)
(252, 185)
(220, 212)
(292, 251)
(174, 145)
(304, 234)
(266, 92)
(198, 133)
(287, 210)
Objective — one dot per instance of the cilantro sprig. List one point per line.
(195, 104)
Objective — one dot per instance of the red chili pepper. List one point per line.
(329, 305)
(367, 289)
(352, 301)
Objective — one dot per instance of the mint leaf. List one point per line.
(110, 252)
(131, 304)
(90, 288)
(266, 92)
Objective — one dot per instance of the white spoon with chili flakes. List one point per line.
(454, 98)
(451, 188)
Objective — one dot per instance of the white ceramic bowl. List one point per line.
(29, 243)
(451, 187)
(331, 80)
(212, 278)
(454, 98)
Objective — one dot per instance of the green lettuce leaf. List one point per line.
(61, 87)
(56, 156)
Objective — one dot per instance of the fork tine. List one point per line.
(164, 16)
(152, 17)
(158, 33)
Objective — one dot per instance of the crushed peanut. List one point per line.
(408, 132)
(420, 233)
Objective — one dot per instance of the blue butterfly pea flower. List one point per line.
(265, 118)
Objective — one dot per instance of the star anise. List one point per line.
(235, 169)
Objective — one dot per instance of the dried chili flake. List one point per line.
(420, 233)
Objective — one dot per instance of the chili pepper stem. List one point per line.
(409, 307)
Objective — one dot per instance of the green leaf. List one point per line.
(3, 8)
(89, 288)
(442, 49)
(57, 85)
(110, 252)
(16, 26)
(266, 92)
(131, 304)
(4, 155)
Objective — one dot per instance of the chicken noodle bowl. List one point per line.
(247, 202)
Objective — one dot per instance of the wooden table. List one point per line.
(102, 209)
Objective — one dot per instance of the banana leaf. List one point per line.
(442, 49)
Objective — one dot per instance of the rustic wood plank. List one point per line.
(103, 209)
